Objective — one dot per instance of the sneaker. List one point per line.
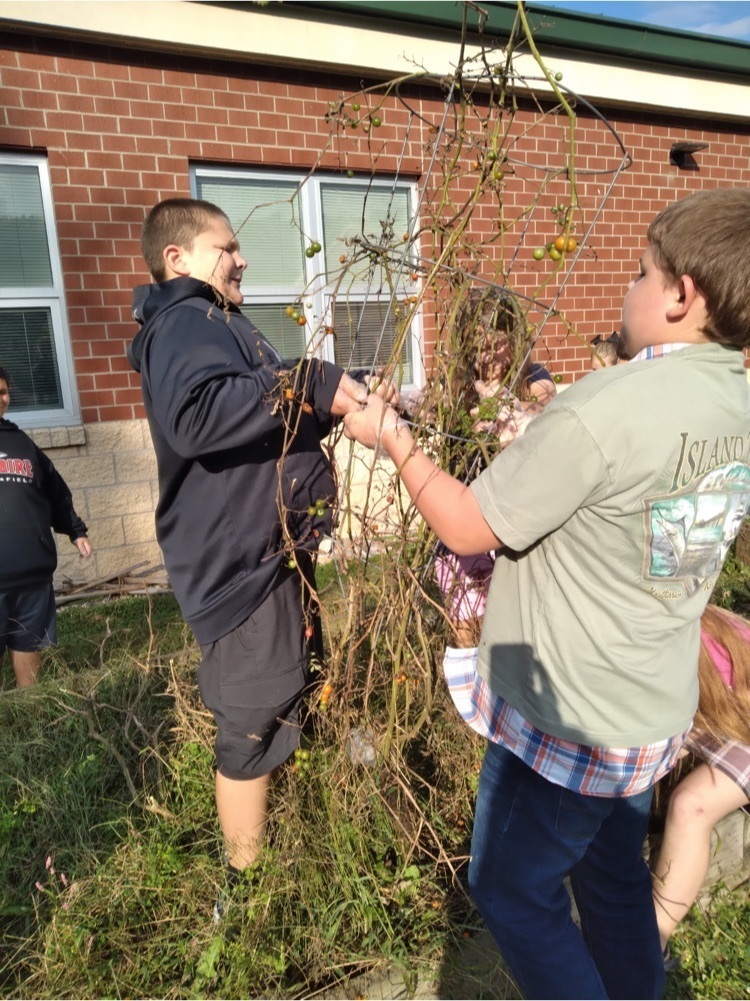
(219, 908)
(232, 877)
(671, 963)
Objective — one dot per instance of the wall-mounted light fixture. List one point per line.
(681, 154)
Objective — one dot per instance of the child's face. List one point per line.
(495, 358)
(215, 259)
(643, 310)
(4, 397)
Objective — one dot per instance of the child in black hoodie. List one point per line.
(33, 499)
(245, 492)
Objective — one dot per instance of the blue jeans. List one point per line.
(528, 835)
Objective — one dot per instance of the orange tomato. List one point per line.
(569, 244)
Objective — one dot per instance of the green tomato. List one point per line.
(309, 252)
(557, 377)
(558, 77)
(554, 253)
(538, 253)
(350, 173)
(316, 247)
(355, 106)
(376, 122)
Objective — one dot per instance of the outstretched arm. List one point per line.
(447, 505)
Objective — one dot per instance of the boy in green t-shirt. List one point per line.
(612, 516)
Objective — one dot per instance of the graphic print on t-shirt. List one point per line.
(690, 530)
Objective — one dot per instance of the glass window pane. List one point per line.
(278, 328)
(24, 253)
(27, 352)
(265, 216)
(365, 336)
(380, 215)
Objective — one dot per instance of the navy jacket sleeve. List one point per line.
(208, 395)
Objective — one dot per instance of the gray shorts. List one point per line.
(253, 682)
(27, 619)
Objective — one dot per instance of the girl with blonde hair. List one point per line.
(720, 784)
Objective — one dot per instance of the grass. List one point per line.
(110, 858)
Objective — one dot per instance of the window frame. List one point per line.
(50, 297)
(318, 289)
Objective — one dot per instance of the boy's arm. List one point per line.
(205, 397)
(447, 505)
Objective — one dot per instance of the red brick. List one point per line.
(147, 109)
(123, 179)
(197, 97)
(96, 87)
(114, 380)
(112, 106)
(23, 79)
(25, 117)
(178, 78)
(91, 366)
(115, 71)
(8, 58)
(101, 123)
(66, 193)
(118, 413)
(137, 126)
(145, 74)
(35, 98)
(75, 102)
(104, 161)
(129, 395)
(86, 177)
(60, 82)
(169, 95)
(121, 143)
(98, 398)
(201, 131)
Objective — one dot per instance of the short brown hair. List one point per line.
(178, 221)
(701, 236)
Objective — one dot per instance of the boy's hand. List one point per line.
(382, 383)
(84, 547)
(366, 424)
(350, 397)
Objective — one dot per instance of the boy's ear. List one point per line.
(173, 258)
(686, 296)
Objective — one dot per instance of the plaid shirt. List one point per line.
(590, 771)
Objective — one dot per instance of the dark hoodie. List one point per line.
(33, 499)
(237, 434)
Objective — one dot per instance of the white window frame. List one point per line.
(51, 297)
(317, 289)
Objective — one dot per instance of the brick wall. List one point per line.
(120, 127)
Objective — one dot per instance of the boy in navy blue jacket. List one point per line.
(245, 492)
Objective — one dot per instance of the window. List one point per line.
(34, 343)
(278, 221)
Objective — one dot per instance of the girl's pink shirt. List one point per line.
(719, 655)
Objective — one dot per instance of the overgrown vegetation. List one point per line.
(111, 853)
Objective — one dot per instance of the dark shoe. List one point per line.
(232, 878)
(671, 963)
